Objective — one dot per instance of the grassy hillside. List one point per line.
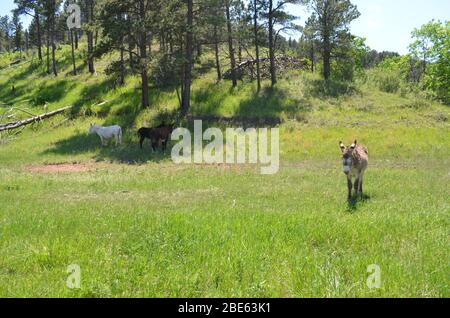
(140, 225)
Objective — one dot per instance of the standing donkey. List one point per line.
(355, 160)
(106, 133)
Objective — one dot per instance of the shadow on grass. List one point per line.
(52, 93)
(7, 94)
(122, 110)
(269, 105)
(128, 152)
(354, 204)
(91, 95)
(273, 103)
(320, 88)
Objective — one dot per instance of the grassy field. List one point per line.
(139, 225)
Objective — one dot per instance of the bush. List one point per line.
(388, 81)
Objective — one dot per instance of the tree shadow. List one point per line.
(128, 152)
(10, 95)
(269, 103)
(208, 100)
(320, 88)
(273, 102)
(121, 110)
(52, 93)
(91, 95)
(355, 203)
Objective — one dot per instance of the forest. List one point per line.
(161, 40)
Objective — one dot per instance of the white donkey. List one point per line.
(106, 133)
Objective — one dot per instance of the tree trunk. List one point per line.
(38, 25)
(95, 38)
(34, 119)
(130, 53)
(239, 48)
(76, 39)
(48, 47)
(122, 66)
(73, 51)
(216, 50)
(143, 55)
(326, 58)
(273, 75)
(186, 94)
(255, 30)
(90, 37)
(27, 41)
(55, 70)
(230, 45)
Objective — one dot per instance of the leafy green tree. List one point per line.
(50, 12)
(278, 21)
(432, 47)
(128, 20)
(330, 21)
(6, 33)
(18, 32)
(34, 9)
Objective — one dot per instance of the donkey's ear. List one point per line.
(342, 146)
(353, 146)
(356, 142)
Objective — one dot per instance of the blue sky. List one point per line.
(386, 24)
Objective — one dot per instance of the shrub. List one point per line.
(388, 81)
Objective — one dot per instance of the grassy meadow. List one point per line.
(139, 225)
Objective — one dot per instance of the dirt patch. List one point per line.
(57, 168)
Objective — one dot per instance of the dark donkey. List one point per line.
(161, 133)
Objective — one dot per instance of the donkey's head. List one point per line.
(92, 128)
(347, 156)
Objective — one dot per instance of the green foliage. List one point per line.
(432, 47)
(386, 80)
(391, 74)
(329, 24)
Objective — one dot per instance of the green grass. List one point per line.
(140, 226)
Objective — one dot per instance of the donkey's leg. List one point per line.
(141, 141)
(118, 140)
(361, 185)
(356, 185)
(154, 144)
(349, 184)
(164, 145)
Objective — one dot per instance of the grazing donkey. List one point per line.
(161, 133)
(106, 133)
(355, 160)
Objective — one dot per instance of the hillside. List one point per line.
(302, 101)
(140, 225)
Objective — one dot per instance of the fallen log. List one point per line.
(283, 63)
(31, 120)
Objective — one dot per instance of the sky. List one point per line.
(386, 24)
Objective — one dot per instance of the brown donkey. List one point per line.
(355, 160)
